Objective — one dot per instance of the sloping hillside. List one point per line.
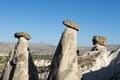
(36, 49)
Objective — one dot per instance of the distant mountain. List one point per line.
(5, 47)
(36, 49)
(41, 49)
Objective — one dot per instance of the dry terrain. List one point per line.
(39, 52)
(45, 49)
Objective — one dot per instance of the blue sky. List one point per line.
(42, 19)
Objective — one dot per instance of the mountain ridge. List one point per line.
(47, 49)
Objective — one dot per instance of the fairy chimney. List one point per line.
(64, 65)
(20, 61)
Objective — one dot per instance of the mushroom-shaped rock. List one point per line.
(22, 34)
(71, 24)
(64, 64)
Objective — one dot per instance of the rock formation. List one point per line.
(20, 65)
(64, 65)
(100, 43)
(97, 63)
(106, 66)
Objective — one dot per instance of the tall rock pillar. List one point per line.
(64, 64)
(20, 65)
(21, 57)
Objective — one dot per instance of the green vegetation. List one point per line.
(36, 57)
(3, 59)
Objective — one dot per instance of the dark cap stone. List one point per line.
(71, 24)
(22, 34)
(101, 40)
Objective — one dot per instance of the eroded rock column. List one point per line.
(20, 65)
(21, 57)
(64, 65)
